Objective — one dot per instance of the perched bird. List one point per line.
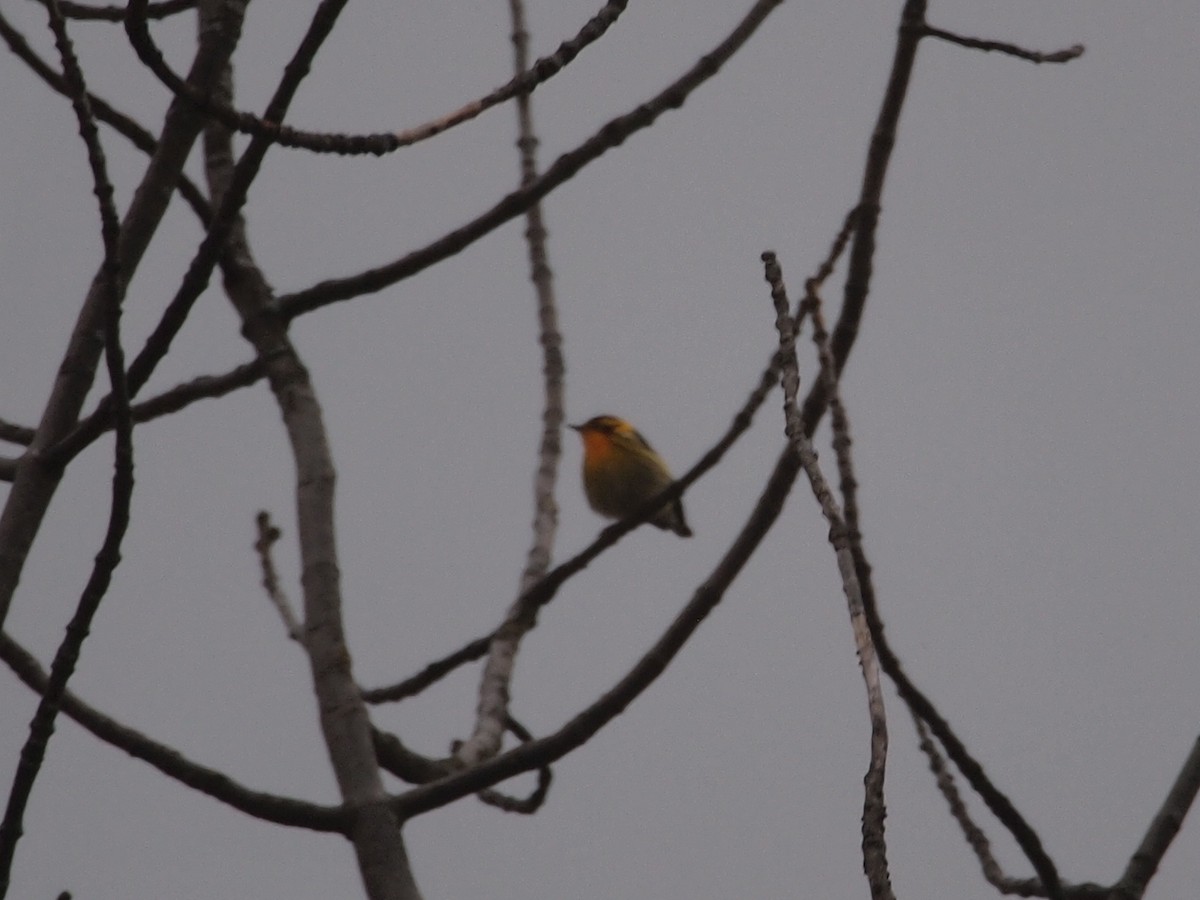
(621, 471)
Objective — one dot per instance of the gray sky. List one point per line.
(1022, 397)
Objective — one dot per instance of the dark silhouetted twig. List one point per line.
(83, 13)
(380, 143)
(112, 292)
(1033, 56)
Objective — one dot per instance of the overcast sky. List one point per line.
(1022, 397)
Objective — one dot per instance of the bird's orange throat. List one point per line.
(597, 448)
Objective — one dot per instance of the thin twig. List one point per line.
(431, 674)
(205, 387)
(268, 534)
(414, 768)
(1058, 56)
(103, 111)
(82, 12)
(408, 765)
(66, 658)
(975, 835)
(181, 396)
(530, 804)
(978, 840)
(492, 709)
(381, 143)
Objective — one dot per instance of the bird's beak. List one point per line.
(575, 427)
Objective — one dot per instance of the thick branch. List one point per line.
(374, 831)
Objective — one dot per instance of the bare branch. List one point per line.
(431, 674)
(35, 484)
(268, 534)
(381, 143)
(406, 764)
(212, 248)
(883, 138)
(345, 725)
(525, 806)
(866, 212)
(492, 711)
(923, 707)
(874, 848)
(417, 769)
(1167, 822)
(16, 434)
(179, 397)
(975, 835)
(561, 170)
(874, 844)
(232, 199)
(203, 388)
(1058, 56)
(1020, 887)
(118, 121)
(173, 764)
(110, 292)
(82, 12)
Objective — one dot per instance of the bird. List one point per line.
(621, 471)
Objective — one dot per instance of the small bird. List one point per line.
(621, 471)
